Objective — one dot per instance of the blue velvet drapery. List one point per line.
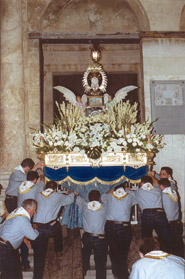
(85, 179)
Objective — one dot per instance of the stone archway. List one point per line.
(79, 19)
(182, 20)
(95, 16)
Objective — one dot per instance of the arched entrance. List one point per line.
(67, 31)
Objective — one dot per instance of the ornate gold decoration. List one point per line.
(59, 160)
(94, 80)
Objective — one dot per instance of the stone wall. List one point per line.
(20, 69)
(163, 59)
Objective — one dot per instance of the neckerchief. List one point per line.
(25, 187)
(20, 168)
(147, 186)
(20, 211)
(46, 193)
(119, 194)
(171, 193)
(171, 180)
(156, 255)
(94, 205)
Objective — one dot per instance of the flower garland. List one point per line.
(114, 130)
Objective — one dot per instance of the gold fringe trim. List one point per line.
(95, 180)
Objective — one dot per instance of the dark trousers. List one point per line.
(176, 230)
(155, 219)
(24, 255)
(99, 247)
(118, 237)
(9, 262)
(11, 203)
(40, 246)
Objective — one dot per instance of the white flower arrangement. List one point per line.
(114, 130)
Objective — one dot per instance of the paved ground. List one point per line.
(69, 264)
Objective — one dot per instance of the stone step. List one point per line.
(29, 274)
(91, 274)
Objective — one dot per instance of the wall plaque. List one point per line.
(168, 106)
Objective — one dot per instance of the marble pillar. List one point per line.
(12, 108)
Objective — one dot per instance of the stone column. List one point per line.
(12, 108)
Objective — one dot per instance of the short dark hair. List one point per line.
(28, 163)
(146, 179)
(148, 244)
(94, 195)
(122, 185)
(168, 170)
(31, 175)
(51, 184)
(164, 182)
(29, 203)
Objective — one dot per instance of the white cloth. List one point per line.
(94, 205)
(147, 186)
(171, 193)
(46, 193)
(20, 168)
(156, 254)
(25, 187)
(2, 208)
(164, 267)
(20, 211)
(119, 193)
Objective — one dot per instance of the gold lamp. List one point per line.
(95, 53)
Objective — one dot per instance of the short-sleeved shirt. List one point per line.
(30, 193)
(93, 220)
(118, 209)
(48, 207)
(148, 198)
(15, 229)
(171, 267)
(171, 207)
(16, 178)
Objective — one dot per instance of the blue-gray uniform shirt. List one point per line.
(15, 229)
(16, 178)
(31, 194)
(148, 199)
(171, 267)
(118, 210)
(171, 207)
(93, 220)
(49, 207)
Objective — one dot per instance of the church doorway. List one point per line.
(65, 63)
(73, 82)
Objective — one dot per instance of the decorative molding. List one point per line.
(58, 160)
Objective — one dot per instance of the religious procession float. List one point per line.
(97, 140)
